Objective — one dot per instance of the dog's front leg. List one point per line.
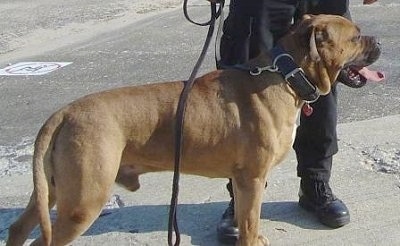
(248, 197)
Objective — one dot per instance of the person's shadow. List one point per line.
(195, 220)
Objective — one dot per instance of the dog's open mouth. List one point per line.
(356, 77)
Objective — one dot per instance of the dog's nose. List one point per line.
(373, 42)
(374, 49)
(378, 42)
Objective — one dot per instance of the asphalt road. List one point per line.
(158, 48)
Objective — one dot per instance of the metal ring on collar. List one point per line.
(314, 100)
(279, 57)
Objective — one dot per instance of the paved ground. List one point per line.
(125, 49)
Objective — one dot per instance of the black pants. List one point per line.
(252, 26)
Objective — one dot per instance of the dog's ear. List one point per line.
(314, 55)
(311, 36)
(325, 81)
(317, 35)
(318, 40)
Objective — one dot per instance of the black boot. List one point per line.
(227, 231)
(316, 196)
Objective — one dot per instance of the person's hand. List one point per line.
(369, 1)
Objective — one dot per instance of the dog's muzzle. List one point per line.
(373, 49)
(356, 75)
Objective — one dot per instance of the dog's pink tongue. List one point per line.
(375, 76)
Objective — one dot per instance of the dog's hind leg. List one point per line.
(84, 176)
(20, 229)
(75, 213)
(73, 221)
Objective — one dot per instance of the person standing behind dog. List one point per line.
(252, 26)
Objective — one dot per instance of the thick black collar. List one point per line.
(294, 75)
(284, 64)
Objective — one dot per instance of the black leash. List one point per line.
(180, 117)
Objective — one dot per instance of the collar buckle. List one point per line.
(294, 75)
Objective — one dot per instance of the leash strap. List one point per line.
(217, 51)
(180, 119)
(211, 21)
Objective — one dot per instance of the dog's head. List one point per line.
(328, 44)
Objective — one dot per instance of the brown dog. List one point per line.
(237, 126)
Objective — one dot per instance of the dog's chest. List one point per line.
(295, 125)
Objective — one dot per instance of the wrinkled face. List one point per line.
(333, 44)
(340, 43)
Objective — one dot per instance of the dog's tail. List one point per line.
(42, 171)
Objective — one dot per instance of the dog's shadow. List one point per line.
(196, 220)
